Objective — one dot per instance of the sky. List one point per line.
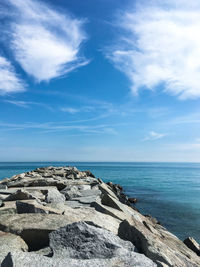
(103, 80)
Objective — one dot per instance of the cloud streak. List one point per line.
(160, 45)
(45, 42)
(9, 81)
(154, 136)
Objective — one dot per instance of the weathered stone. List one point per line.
(10, 242)
(20, 194)
(9, 207)
(193, 245)
(109, 211)
(132, 200)
(71, 192)
(1, 203)
(24, 259)
(87, 200)
(34, 228)
(54, 196)
(2, 186)
(83, 240)
(3, 196)
(25, 206)
(38, 182)
(107, 191)
(108, 200)
(158, 244)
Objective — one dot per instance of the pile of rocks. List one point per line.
(60, 216)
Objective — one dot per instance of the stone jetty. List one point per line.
(60, 216)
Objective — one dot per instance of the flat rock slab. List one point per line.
(158, 244)
(10, 242)
(34, 228)
(32, 206)
(24, 259)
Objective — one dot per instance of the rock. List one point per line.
(2, 186)
(88, 173)
(54, 196)
(109, 211)
(24, 259)
(132, 200)
(1, 203)
(193, 245)
(34, 228)
(83, 240)
(9, 207)
(157, 244)
(20, 194)
(87, 200)
(107, 191)
(32, 182)
(71, 192)
(25, 206)
(3, 196)
(10, 242)
(108, 200)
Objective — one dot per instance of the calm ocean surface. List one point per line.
(168, 191)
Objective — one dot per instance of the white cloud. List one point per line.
(160, 44)
(154, 136)
(9, 81)
(45, 42)
(27, 104)
(70, 110)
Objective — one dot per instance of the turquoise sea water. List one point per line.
(168, 191)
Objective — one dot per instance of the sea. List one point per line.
(169, 192)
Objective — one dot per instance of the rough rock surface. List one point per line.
(158, 244)
(17, 259)
(193, 245)
(83, 240)
(10, 242)
(55, 203)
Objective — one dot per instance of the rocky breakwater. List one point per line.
(60, 216)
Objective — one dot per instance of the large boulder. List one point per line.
(54, 196)
(24, 259)
(34, 228)
(83, 240)
(158, 244)
(10, 242)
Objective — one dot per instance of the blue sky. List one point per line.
(103, 80)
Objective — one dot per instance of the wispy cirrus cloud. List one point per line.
(154, 136)
(160, 45)
(52, 127)
(9, 80)
(44, 41)
(27, 104)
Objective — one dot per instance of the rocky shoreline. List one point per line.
(60, 216)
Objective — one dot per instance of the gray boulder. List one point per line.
(83, 240)
(54, 196)
(24, 259)
(158, 244)
(10, 242)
